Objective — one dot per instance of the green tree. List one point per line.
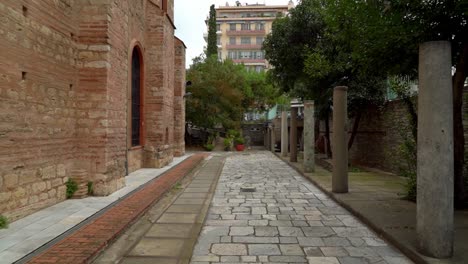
(217, 93)
(388, 35)
(212, 48)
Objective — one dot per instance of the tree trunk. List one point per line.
(327, 134)
(459, 137)
(357, 119)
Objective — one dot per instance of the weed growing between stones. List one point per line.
(90, 188)
(72, 187)
(408, 169)
(3, 222)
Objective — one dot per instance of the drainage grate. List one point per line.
(248, 189)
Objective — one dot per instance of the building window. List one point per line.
(136, 97)
(245, 55)
(259, 68)
(232, 27)
(218, 41)
(260, 40)
(232, 40)
(245, 26)
(245, 40)
(260, 26)
(218, 27)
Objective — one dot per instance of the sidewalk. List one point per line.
(168, 232)
(374, 198)
(51, 224)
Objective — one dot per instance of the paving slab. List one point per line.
(157, 247)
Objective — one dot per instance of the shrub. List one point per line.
(227, 143)
(209, 147)
(408, 151)
(239, 141)
(3, 222)
(72, 187)
(232, 133)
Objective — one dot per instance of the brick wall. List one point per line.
(65, 94)
(179, 101)
(37, 103)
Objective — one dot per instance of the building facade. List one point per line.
(89, 90)
(242, 29)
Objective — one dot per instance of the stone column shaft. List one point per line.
(293, 136)
(435, 150)
(339, 143)
(273, 139)
(284, 134)
(309, 137)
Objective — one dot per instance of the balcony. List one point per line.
(249, 61)
(244, 46)
(260, 32)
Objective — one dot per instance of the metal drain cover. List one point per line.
(248, 189)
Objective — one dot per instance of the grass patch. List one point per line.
(3, 222)
(72, 187)
(177, 186)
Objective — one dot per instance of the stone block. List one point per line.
(264, 249)
(241, 231)
(11, 180)
(229, 249)
(27, 176)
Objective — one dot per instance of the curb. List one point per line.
(84, 244)
(381, 232)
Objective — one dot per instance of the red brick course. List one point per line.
(84, 244)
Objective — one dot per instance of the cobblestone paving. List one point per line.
(286, 220)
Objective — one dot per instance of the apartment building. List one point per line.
(241, 30)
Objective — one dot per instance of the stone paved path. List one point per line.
(286, 220)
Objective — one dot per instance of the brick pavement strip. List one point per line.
(286, 220)
(84, 244)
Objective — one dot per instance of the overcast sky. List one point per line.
(190, 18)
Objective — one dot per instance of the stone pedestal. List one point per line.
(81, 178)
(340, 135)
(435, 150)
(293, 136)
(284, 133)
(309, 137)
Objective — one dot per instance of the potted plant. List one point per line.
(227, 144)
(239, 141)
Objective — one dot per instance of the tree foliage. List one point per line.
(212, 48)
(223, 91)
(359, 43)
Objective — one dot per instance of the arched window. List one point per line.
(136, 97)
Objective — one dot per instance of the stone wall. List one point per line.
(380, 135)
(256, 133)
(65, 92)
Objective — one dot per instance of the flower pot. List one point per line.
(240, 147)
